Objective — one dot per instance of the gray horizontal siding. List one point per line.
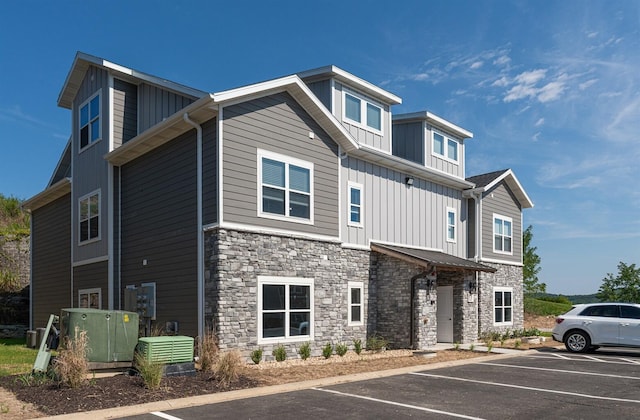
(125, 112)
(279, 124)
(159, 224)
(394, 212)
(91, 276)
(408, 141)
(500, 200)
(156, 104)
(322, 90)
(50, 260)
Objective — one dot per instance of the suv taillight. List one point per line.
(559, 320)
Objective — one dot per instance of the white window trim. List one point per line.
(89, 292)
(455, 225)
(354, 185)
(444, 156)
(493, 297)
(355, 285)
(493, 238)
(288, 161)
(363, 111)
(99, 237)
(90, 143)
(286, 281)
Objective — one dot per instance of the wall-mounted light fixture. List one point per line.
(408, 180)
(473, 286)
(430, 284)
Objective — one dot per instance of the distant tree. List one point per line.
(625, 287)
(531, 264)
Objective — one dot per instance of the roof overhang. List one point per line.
(57, 190)
(348, 78)
(436, 121)
(82, 62)
(509, 178)
(429, 259)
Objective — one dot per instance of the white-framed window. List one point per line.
(356, 306)
(90, 298)
(362, 112)
(285, 187)
(502, 305)
(355, 205)
(451, 224)
(445, 147)
(502, 234)
(89, 217)
(89, 121)
(285, 309)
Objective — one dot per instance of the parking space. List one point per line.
(545, 384)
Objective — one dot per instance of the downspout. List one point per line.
(198, 128)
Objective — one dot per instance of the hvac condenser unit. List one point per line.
(167, 349)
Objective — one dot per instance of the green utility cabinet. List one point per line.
(112, 335)
(167, 349)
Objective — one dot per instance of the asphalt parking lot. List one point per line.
(545, 384)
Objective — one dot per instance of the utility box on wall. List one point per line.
(112, 335)
(141, 300)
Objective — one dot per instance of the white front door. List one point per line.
(444, 314)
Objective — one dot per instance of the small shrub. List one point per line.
(357, 346)
(472, 346)
(327, 350)
(228, 367)
(208, 351)
(149, 370)
(489, 347)
(517, 344)
(305, 351)
(456, 346)
(341, 349)
(71, 366)
(376, 343)
(280, 353)
(256, 356)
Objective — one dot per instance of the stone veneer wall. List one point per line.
(506, 276)
(235, 259)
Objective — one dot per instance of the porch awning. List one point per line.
(427, 259)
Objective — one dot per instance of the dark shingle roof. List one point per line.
(437, 259)
(485, 179)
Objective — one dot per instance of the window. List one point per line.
(451, 225)
(90, 121)
(356, 308)
(502, 234)
(90, 298)
(609, 311)
(286, 189)
(502, 306)
(89, 217)
(445, 147)
(629, 312)
(285, 308)
(362, 112)
(355, 205)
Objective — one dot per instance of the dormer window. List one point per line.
(90, 121)
(362, 112)
(445, 147)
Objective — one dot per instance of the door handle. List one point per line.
(624, 324)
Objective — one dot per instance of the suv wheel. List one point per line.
(577, 341)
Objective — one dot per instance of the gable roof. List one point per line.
(436, 121)
(486, 182)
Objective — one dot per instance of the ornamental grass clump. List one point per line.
(228, 366)
(150, 371)
(72, 366)
(208, 351)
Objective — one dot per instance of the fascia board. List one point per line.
(436, 121)
(50, 194)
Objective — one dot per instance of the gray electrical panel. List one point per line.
(142, 300)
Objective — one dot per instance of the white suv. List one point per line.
(589, 326)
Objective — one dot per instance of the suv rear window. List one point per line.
(610, 311)
(629, 312)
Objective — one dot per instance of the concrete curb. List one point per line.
(166, 405)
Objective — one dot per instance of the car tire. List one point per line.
(577, 341)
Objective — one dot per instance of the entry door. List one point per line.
(444, 314)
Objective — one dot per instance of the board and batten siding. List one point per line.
(90, 169)
(439, 163)
(159, 229)
(155, 104)
(209, 172)
(125, 112)
(50, 260)
(408, 141)
(322, 90)
(90, 276)
(500, 200)
(362, 135)
(394, 212)
(276, 123)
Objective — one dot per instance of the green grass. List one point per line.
(15, 357)
(542, 307)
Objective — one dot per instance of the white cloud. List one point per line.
(551, 91)
(536, 136)
(530, 77)
(501, 82)
(502, 60)
(476, 65)
(587, 84)
(592, 34)
(539, 122)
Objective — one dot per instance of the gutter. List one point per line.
(198, 128)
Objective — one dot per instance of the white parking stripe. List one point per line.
(560, 356)
(635, 362)
(413, 407)
(562, 371)
(595, 359)
(528, 388)
(164, 415)
(583, 358)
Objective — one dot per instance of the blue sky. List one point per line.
(550, 89)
